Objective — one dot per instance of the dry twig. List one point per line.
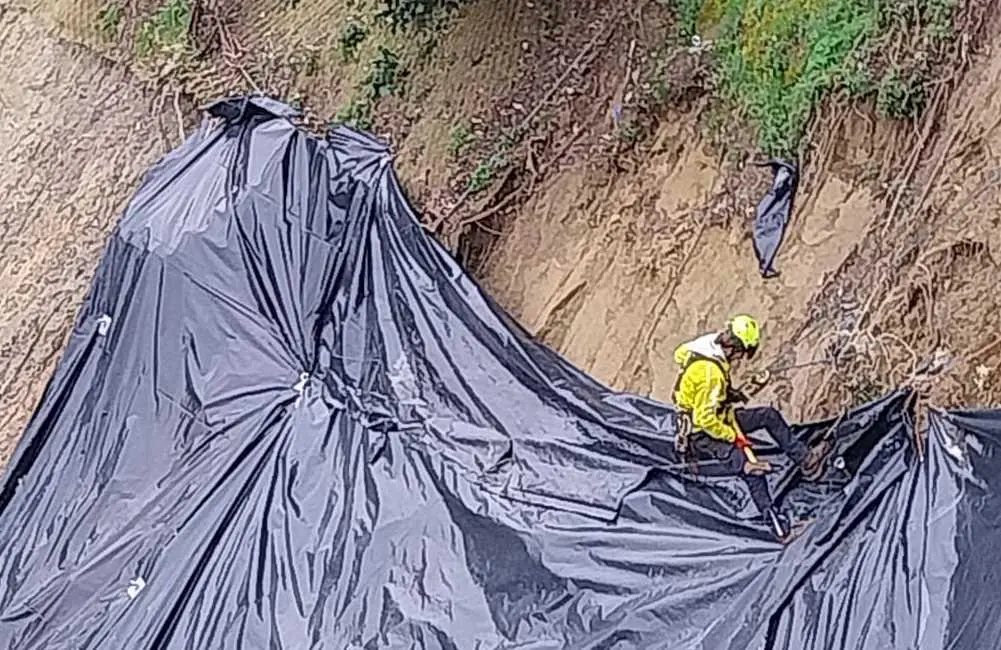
(179, 114)
(932, 181)
(931, 117)
(604, 32)
(664, 300)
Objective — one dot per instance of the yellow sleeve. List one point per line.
(709, 393)
(681, 354)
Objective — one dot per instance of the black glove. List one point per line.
(736, 396)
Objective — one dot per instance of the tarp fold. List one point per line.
(287, 419)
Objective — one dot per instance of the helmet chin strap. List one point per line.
(730, 347)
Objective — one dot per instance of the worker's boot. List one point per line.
(816, 456)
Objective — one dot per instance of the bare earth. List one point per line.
(76, 136)
(616, 280)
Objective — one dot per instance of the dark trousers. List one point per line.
(719, 458)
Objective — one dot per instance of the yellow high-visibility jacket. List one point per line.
(702, 387)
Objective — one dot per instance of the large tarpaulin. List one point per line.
(287, 419)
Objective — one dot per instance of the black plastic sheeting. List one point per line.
(287, 419)
(773, 213)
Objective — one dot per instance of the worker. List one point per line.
(711, 429)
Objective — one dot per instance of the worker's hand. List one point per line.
(736, 396)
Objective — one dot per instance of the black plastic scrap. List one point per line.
(287, 419)
(773, 215)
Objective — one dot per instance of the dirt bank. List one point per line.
(77, 134)
(890, 262)
(616, 281)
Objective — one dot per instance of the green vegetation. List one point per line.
(486, 170)
(459, 139)
(411, 26)
(166, 31)
(406, 14)
(776, 60)
(660, 86)
(351, 37)
(628, 131)
(109, 20)
(688, 17)
(357, 113)
(386, 76)
(864, 389)
(900, 96)
(484, 174)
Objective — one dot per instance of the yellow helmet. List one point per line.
(745, 330)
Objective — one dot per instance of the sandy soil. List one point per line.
(616, 280)
(76, 136)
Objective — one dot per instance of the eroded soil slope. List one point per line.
(889, 266)
(76, 134)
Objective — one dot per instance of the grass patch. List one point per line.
(689, 12)
(628, 131)
(415, 14)
(900, 95)
(109, 20)
(386, 76)
(166, 31)
(660, 85)
(421, 19)
(356, 113)
(485, 172)
(864, 390)
(459, 139)
(776, 60)
(351, 37)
